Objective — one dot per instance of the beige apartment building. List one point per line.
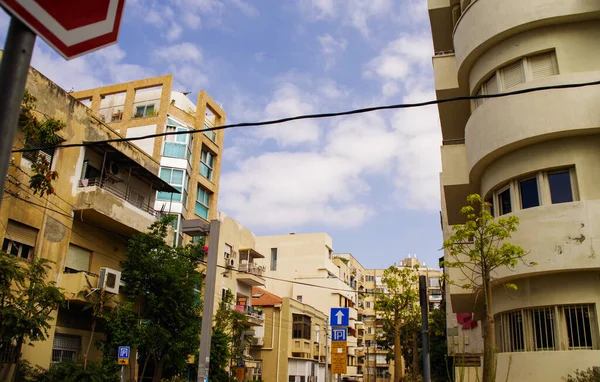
(83, 228)
(531, 155)
(191, 163)
(291, 346)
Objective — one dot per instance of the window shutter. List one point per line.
(542, 65)
(491, 86)
(21, 233)
(513, 75)
(78, 258)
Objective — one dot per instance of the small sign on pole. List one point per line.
(339, 317)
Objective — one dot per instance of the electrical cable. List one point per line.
(319, 115)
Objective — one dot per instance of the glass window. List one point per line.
(273, 259)
(18, 249)
(579, 328)
(175, 145)
(210, 134)
(529, 193)
(144, 111)
(504, 202)
(202, 202)
(543, 328)
(560, 187)
(177, 179)
(206, 164)
(301, 326)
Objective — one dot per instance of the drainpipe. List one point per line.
(278, 342)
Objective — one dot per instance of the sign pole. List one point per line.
(425, 328)
(14, 67)
(122, 373)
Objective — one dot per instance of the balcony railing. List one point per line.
(252, 268)
(130, 196)
(250, 311)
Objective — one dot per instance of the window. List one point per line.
(224, 292)
(273, 259)
(176, 146)
(19, 240)
(504, 202)
(548, 328)
(78, 259)
(299, 298)
(47, 153)
(206, 164)
(65, 348)
(144, 111)
(210, 134)
(370, 330)
(560, 186)
(529, 193)
(301, 326)
(370, 278)
(368, 304)
(202, 202)
(176, 178)
(517, 72)
(317, 333)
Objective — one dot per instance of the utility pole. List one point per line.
(14, 68)
(326, 350)
(198, 227)
(425, 327)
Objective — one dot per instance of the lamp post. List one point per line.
(199, 227)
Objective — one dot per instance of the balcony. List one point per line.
(250, 273)
(474, 32)
(301, 348)
(116, 192)
(255, 317)
(73, 283)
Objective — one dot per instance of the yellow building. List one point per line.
(191, 163)
(533, 156)
(291, 346)
(83, 227)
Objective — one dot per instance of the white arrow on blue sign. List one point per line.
(339, 317)
(124, 351)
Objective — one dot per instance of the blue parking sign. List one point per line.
(124, 351)
(339, 334)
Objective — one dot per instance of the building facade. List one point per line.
(533, 156)
(291, 346)
(191, 163)
(84, 226)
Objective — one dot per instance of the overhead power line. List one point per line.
(319, 116)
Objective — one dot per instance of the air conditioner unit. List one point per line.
(109, 280)
(230, 263)
(227, 255)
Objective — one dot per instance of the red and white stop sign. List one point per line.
(72, 27)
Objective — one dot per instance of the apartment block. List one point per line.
(291, 346)
(83, 227)
(189, 162)
(533, 156)
(301, 266)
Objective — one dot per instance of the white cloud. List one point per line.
(185, 61)
(329, 89)
(182, 52)
(174, 32)
(246, 8)
(318, 9)
(330, 47)
(288, 101)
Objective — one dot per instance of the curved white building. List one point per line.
(535, 155)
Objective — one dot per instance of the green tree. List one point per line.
(219, 356)
(41, 131)
(165, 283)
(27, 300)
(437, 344)
(396, 302)
(478, 248)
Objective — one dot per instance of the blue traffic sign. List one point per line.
(124, 351)
(339, 334)
(339, 317)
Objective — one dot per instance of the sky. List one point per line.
(371, 181)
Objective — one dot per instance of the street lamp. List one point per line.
(199, 227)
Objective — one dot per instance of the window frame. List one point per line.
(8, 244)
(201, 190)
(572, 180)
(537, 178)
(301, 327)
(172, 139)
(145, 113)
(182, 197)
(204, 153)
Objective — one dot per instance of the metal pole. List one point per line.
(425, 327)
(326, 349)
(209, 301)
(122, 373)
(13, 77)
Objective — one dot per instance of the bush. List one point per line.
(589, 375)
(73, 372)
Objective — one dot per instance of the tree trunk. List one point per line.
(141, 377)
(398, 369)
(89, 345)
(17, 358)
(489, 341)
(415, 356)
(158, 372)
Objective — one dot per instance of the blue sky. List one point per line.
(370, 181)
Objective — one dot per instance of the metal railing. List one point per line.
(250, 311)
(252, 268)
(130, 196)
